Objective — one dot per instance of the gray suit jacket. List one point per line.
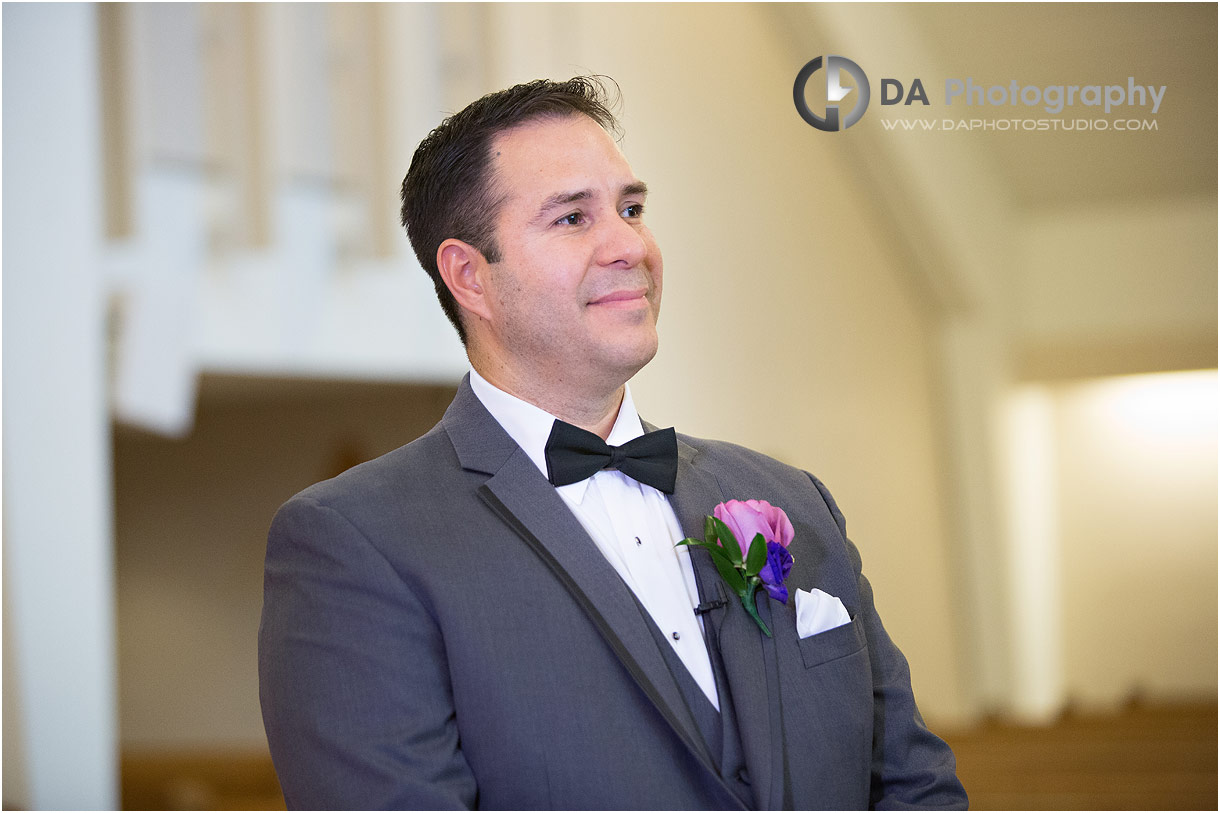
(439, 631)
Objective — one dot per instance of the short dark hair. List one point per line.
(449, 190)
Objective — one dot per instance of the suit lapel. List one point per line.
(747, 654)
(520, 495)
(529, 504)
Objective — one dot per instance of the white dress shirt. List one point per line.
(632, 524)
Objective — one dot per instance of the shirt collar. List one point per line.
(530, 426)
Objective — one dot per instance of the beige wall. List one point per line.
(1122, 287)
(1136, 477)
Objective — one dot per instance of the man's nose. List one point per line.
(621, 243)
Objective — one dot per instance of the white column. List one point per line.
(57, 473)
(974, 377)
(1035, 606)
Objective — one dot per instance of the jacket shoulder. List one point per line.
(745, 473)
(424, 464)
(733, 460)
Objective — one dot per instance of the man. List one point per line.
(465, 622)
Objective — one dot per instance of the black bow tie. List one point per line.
(573, 454)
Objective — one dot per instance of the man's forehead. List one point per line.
(559, 154)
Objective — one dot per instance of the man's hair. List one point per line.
(450, 189)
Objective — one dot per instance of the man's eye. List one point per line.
(634, 210)
(574, 219)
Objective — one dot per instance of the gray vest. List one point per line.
(719, 728)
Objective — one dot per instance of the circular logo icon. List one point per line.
(835, 93)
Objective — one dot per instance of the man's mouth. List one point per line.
(622, 299)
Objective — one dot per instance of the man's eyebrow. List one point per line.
(562, 199)
(638, 188)
(634, 189)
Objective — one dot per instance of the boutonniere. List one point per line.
(763, 561)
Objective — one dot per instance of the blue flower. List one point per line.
(773, 573)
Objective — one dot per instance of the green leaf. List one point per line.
(709, 530)
(728, 541)
(758, 555)
(716, 551)
(732, 577)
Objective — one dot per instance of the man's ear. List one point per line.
(464, 269)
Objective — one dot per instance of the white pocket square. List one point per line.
(817, 611)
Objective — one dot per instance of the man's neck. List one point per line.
(589, 408)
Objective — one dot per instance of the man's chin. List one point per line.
(631, 359)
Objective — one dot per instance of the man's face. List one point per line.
(575, 296)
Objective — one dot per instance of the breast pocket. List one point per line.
(832, 644)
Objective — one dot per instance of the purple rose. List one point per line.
(773, 573)
(745, 519)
